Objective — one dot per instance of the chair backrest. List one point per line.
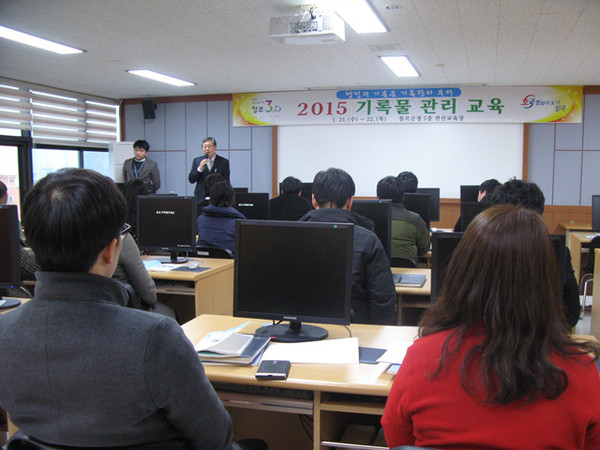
(214, 252)
(401, 261)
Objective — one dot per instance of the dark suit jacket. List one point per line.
(149, 174)
(221, 165)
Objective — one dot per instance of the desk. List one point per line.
(578, 242)
(403, 292)
(595, 320)
(572, 226)
(211, 289)
(329, 415)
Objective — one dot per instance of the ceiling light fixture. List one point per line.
(34, 41)
(400, 65)
(160, 77)
(359, 14)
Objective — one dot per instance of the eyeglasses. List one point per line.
(124, 229)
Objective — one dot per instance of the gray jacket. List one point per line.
(130, 270)
(78, 369)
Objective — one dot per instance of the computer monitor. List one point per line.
(293, 271)
(596, 212)
(434, 202)
(468, 211)
(444, 244)
(380, 212)
(253, 205)
(469, 193)
(418, 203)
(10, 266)
(307, 191)
(167, 223)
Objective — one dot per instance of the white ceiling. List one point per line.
(224, 47)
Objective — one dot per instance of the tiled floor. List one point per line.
(583, 326)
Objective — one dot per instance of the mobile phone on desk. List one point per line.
(273, 370)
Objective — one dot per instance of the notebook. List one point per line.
(409, 279)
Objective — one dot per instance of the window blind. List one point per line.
(58, 117)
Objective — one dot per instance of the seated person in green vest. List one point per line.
(142, 167)
(216, 224)
(486, 189)
(373, 291)
(79, 369)
(530, 196)
(289, 205)
(410, 236)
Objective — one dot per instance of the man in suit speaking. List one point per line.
(142, 167)
(206, 164)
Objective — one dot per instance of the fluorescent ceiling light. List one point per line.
(359, 14)
(400, 65)
(160, 77)
(23, 38)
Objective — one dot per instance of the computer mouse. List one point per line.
(193, 265)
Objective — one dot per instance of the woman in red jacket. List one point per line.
(495, 367)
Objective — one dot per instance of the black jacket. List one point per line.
(373, 292)
(288, 207)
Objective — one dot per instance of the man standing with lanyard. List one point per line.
(142, 167)
(204, 165)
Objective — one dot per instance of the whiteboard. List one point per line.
(440, 155)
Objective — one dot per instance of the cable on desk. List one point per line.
(307, 424)
(349, 330)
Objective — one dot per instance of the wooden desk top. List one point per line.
(423, 290)
(215, 265)
(576, 226)
(367, 379)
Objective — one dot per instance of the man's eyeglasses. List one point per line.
(124, 229)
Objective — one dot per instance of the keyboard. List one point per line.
(271, 391)
(267, 398)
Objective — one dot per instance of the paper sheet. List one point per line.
(396, 354)
(328, 351)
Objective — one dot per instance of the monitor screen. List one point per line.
(380, 212)
(596, 212)
(469, 193)
(253, 205)
(444, 244)
(434, 202)
(418, 203)
(293, 271)
(167, 223)
(468, 211)
(10, 265)
(307, 191)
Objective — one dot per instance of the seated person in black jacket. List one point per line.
(486, 189)
(373, 291)
(529, 195)
(409, 181)
(290, 205)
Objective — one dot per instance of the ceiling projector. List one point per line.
(308, 29)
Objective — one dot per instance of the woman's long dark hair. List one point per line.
(502, 284)
(131, 190)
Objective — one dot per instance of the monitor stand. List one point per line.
(174, 259)
(294, 332)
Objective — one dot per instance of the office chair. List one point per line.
(588, 275)
(214, 252)
(401, 261)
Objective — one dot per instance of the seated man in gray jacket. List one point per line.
(79, 369)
